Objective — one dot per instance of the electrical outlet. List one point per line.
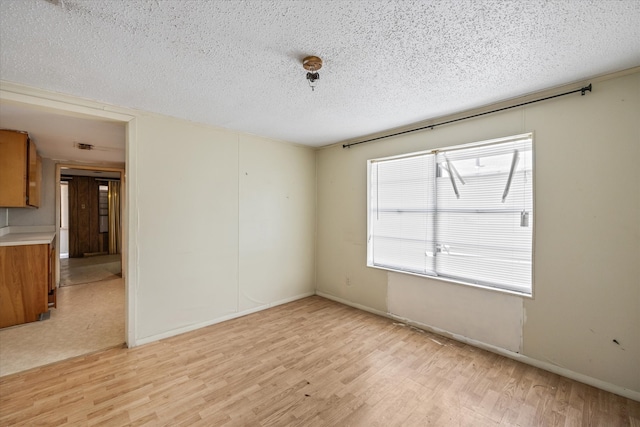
(348, 281)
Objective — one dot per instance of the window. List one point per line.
(463, 213)
(103, 208)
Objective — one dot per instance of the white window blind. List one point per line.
(464, 213)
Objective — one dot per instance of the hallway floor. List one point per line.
(74, 271)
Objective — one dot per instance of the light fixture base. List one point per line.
(312, 63)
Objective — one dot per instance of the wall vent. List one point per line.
(83, 146)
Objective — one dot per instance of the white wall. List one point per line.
(587, 237)
(225, 224)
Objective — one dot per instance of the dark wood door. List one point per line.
(84, 217)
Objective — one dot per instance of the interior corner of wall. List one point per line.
(523, 320)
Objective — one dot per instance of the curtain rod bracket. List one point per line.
(585, 89)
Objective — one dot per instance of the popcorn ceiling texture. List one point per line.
(237, 64)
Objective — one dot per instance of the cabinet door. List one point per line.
(35, 176)
(52, 288)
(13, 168)
(24, 280)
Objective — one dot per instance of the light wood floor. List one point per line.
(312, 362)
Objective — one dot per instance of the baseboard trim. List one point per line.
(352, 304)
(179, 331)
(594, 382)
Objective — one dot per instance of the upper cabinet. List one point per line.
(20, 170)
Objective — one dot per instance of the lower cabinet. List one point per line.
(51, 288)
(26, 282)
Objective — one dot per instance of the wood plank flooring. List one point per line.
(312, 362)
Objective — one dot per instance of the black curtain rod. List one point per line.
(582, 90)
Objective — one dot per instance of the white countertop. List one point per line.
(24, 236)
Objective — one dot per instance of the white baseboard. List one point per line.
(352, 304)
(603, 385)
(179, 331)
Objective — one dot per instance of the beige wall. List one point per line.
(225, 224)
(587, 237)
(277, 217)
(587, 273)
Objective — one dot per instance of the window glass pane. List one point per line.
(464, 214)
(402, 213)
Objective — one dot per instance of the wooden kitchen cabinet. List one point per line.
(20, 170)
(52, 291)
(26, 282)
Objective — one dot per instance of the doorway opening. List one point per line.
(90, 226)
(78, 325)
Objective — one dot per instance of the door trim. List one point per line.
(67, 104)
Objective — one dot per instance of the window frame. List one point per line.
(449, 279)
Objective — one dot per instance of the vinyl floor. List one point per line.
(312, 362)
(89, 317)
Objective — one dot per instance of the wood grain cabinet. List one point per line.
(20, 170)
(26, 282)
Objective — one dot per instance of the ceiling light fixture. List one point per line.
(312, 64)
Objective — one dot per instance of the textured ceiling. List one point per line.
(237, 64)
